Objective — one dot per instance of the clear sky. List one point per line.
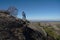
(35, 9)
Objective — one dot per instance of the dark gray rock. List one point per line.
(12, 28)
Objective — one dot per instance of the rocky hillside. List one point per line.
(12, 28)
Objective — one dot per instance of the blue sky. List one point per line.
(35, 9)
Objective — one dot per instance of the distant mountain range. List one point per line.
(44, 20)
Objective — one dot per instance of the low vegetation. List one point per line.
(52, 33)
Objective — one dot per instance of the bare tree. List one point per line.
(13, 11)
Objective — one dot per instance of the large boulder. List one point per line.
(12, 28)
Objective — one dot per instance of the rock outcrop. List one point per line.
(12, 28)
